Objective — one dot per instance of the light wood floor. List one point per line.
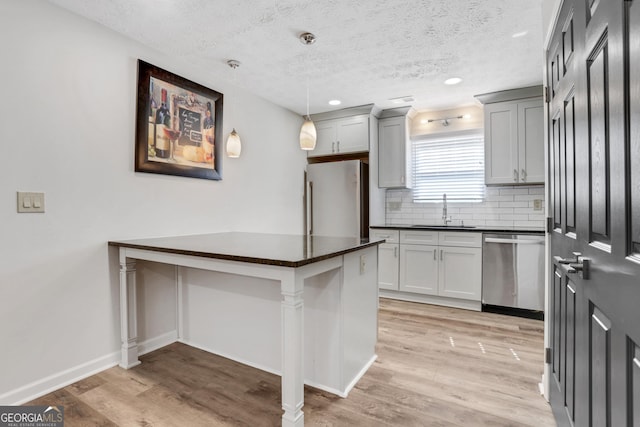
(436, 366)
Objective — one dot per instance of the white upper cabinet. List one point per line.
(341, 135)
(531, 141)
(514, 137)
(394, 167)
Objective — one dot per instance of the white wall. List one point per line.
(68, 121)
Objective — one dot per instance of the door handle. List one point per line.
(576, 259)
(576, 265)
(515, 175)
(584, 266)
(524, 175)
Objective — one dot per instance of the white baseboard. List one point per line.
(344, 393)
(432, 299)
(258, 366)
(62, 379)
(58, 380)
(153, 344)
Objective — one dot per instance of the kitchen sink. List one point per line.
(444, 227)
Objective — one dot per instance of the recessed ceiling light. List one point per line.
(520, 34)
(453, 81)
(335, 102)
(402, 99)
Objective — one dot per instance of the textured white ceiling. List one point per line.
(367, 51)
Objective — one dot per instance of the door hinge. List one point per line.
(546, 94)
(547, 355)
(549, 224)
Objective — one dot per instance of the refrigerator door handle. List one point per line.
(310, 207)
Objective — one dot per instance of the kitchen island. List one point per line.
(329, 346)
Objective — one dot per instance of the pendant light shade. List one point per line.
(234, 145)
(308, 135)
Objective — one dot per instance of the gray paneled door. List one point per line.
(593, 70)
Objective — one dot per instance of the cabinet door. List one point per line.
(501, 147)
(460, 273)
(393, 165)
(352, 134)
(419, 269)
(326, 139)
(531, 141)
(388, 266)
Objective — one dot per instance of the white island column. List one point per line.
(128, 312)
(291, 288)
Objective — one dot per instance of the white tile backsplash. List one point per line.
(507, 206)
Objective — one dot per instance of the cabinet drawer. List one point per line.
(421, 237)
(391, 236)
(460, 239)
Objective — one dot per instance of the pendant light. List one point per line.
(308, 133)
(234, 145)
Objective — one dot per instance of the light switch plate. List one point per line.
(30, 202)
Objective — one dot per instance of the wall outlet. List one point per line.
(537, 205)
(30, 202)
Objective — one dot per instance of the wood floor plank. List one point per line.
(437, 366)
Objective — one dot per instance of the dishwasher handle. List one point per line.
(513, 241)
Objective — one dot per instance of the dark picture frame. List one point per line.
(178, 125)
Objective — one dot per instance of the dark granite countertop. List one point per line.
(478, 229)
(285, 250)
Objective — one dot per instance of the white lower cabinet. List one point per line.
(460, 273)
(442, 266)
(388, 254)
(418, 269)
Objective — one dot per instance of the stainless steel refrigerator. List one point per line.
(337, 199)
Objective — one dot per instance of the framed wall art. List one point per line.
(178, 125)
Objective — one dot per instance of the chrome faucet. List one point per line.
(444, 210)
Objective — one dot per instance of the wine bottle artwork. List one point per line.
(163, 119)
(178, 123)
(173, 135)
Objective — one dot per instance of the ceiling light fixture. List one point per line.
(520, 34)
(453, 81)
(402, 99)
(445, 121)
(308, 133)
(234, 145)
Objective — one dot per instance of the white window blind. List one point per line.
(452, 164)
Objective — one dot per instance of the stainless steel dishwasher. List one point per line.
(513, 271)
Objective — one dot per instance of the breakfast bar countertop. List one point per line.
(286, 250)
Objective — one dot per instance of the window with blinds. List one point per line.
(452, 164)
